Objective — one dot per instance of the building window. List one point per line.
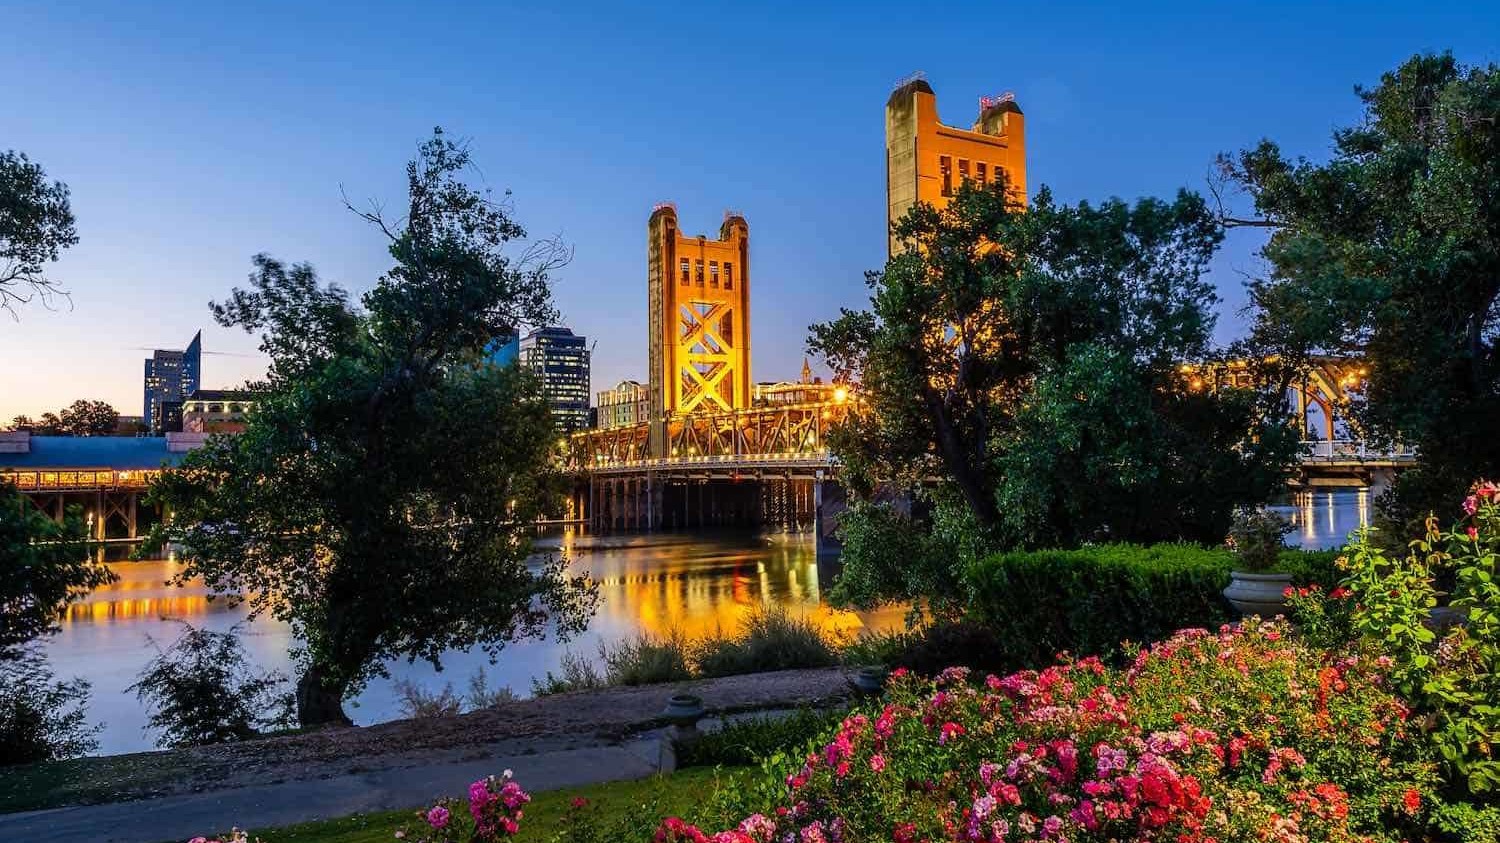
(698, 269)
(945, 165)
(963, 170)
(728, 275)
(684, 265)
(981, 170)
(713, 274)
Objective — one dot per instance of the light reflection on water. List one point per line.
(1324, 518)
(654, 584)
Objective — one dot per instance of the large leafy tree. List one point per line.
(380, 499)
(36, 224)
(1029, 359)
(89, 418)
(1391, 250)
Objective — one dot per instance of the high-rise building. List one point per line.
(170, 377)
(927, 161)
(560, 359)
(699, 307)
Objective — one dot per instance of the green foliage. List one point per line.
(1257, 537)
(1390, 250)
(41, 719)
(418, 703)
(44, 566)
(888, 556)
(1089, 601)
(1029, 357)
(203, 689)
(381, 498)
(36, 224)
(767, 640)
(645, 660)
(954, 643)
(1452, 675)
(577, 674)
(755, 739)
(1311, 567)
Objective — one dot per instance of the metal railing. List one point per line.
(1354, 450)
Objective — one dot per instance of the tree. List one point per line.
(204, 689)
(1030, 359)
(88, 418)
(1390, 250)
(382, 494)
(44, 566)
(36, 224)
(41, 719)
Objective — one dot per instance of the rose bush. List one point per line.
(492, 812)
(1241, 735)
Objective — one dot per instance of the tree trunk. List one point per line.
(319, 702)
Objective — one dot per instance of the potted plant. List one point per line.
(1257, 538)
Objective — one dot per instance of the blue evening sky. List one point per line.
(194, 135)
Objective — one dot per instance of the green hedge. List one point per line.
(1088, 601)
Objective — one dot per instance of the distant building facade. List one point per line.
(628, 403)
(216, 411)
(170, 377)
(927, 161)
(560, 359)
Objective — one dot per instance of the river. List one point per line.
(648, 584)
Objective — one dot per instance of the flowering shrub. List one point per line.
(1451, 676)
(235, 836)
(1240, 735)
(493, 812)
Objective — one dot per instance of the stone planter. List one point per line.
(684, 711)
(1258, 594)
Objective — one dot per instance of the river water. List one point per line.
(648, 584)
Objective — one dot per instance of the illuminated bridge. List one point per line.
(106, 476)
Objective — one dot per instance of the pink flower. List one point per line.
(1473, 534)
(949, 731)
(1471, 505)
(438, 817)
(877, 762)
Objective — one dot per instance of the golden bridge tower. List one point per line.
(699, 320)
(927, 161)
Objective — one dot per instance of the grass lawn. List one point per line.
(675, 793)
(84, 781)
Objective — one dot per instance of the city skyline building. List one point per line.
(927, 161)
(170, 376)
(561, 360)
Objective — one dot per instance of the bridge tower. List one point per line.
(926, 161)
(699, 306)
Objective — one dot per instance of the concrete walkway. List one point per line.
(178, 818)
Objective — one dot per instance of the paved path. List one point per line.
(264, 806)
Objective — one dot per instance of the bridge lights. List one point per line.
(840, 395)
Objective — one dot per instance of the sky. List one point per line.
(195, 135)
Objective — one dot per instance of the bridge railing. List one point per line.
(1354, 450)
(691, 461)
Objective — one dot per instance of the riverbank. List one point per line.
(562, 723)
